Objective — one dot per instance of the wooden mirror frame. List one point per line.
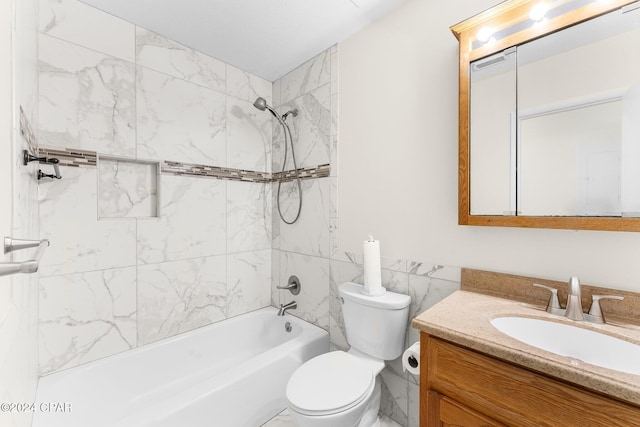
(500, 17)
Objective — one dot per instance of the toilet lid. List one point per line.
(330, 383)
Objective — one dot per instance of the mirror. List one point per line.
(550, 115)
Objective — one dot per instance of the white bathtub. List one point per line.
(232, 373)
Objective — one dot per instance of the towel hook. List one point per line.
(28, 157)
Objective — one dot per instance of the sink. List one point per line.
(583, 344)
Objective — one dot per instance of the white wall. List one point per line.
(18, 209)
(398, 164)
(5, 151)
(5, 119)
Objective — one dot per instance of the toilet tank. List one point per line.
(376, 325)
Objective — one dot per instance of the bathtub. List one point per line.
(231, 373)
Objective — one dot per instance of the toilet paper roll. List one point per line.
(411, 359)
(372, 271)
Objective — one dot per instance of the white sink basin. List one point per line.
(578, 343)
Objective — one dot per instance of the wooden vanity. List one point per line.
(472, 375)
(467, 388)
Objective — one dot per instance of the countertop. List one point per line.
(464, 318)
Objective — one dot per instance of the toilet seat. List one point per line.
(330, 383)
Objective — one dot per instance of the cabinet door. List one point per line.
(454, 414)
(513, 395)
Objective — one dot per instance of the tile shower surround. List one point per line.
(120, 277)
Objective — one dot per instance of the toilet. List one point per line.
(342, 389)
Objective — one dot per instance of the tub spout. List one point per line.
(284, 307)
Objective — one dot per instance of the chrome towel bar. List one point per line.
(30, 266)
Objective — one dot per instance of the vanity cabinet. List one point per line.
(449, 413)
(463, 387)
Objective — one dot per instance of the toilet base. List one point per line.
(375, 424)
(370, 417)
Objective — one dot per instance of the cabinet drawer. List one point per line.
(453, 414)
(516, 396)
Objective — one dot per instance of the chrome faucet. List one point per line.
(574, 303)
(284, 307)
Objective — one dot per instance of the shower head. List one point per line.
(261, 104)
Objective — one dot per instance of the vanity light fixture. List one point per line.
(485, 35)
(538, 12)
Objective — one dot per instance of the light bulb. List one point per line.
(484, 34)
(537, 12)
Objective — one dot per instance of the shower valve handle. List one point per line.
(293, 285)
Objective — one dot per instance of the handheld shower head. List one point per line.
(260, 103)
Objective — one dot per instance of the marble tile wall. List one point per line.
(303, 248)
(86, 316)
(191, 223)
(133, 261)
(87, 99)
(80, 242)
(178, 296)
(178, 120)
(309, 248)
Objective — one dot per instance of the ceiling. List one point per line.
(267, 38)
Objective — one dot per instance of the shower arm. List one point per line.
(282, 118)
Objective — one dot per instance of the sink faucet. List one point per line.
(284, 307)
(574, 303)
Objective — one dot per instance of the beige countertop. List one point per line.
(464, 318)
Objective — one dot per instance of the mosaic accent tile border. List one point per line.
(320, 171)
(27, 133)
(70, 157)
(178, 168)
(83, 158)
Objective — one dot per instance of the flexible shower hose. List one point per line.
(295, 169)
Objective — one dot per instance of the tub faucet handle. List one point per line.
(293, 285)
(554, 303)
(595, 312)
